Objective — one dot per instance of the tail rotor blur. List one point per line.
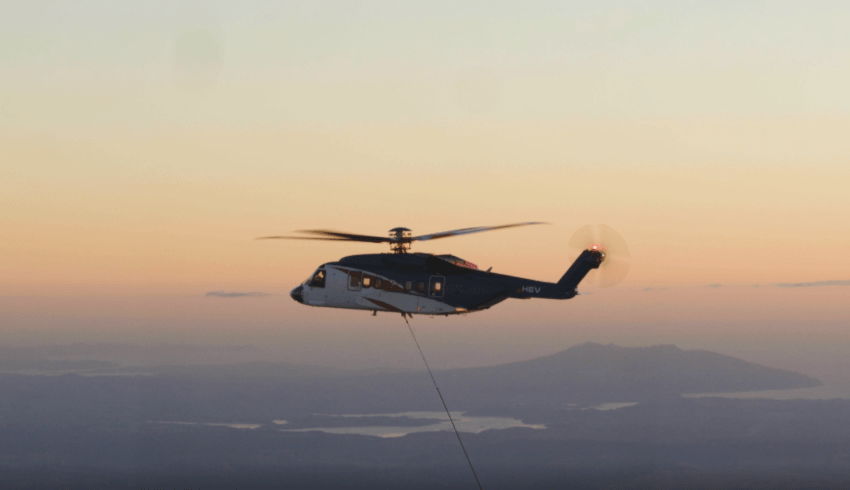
(616, 262)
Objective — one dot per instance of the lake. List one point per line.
(463, 422)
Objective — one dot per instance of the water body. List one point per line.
(232, 426)
(828, 391)
(463, 422)
(611, 406)
(475, 424)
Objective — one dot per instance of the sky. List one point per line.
(145, 146)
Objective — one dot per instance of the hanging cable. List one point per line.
(444, 402)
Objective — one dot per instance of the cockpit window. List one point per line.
(318, 279)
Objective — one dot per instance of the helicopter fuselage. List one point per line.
(419, 283)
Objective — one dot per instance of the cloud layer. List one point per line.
(236, 294)
(813, 284)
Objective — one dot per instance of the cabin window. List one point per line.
(408, 285)
(318, 279)
(420, 286)
(437, 284)
(367, 281)
(378, 283)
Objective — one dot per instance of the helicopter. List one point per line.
(428, 284)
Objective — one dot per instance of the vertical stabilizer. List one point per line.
(587, 261)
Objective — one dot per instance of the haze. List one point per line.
(145, 145)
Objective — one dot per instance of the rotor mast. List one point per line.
(400, 239)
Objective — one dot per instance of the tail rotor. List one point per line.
(616, 259)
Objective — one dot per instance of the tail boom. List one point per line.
(586, 262)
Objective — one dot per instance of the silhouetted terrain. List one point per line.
(77, 431)
(593, 373)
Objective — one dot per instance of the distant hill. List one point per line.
(594, 372)
(583, 375)
(44, 366)
(140, 355)
(245, 371)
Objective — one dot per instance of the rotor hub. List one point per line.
(400, 239)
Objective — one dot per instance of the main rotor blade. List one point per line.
(349, 236)
(338, 236)
(301, 238)
(466, 231)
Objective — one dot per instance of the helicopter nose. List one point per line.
(297, 294)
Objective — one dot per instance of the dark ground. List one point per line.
(74, 431)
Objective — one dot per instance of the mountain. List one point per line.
(583, 375)
(606, 373)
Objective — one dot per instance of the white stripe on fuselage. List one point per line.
(337, 294)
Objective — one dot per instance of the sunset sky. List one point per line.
(145, 145)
